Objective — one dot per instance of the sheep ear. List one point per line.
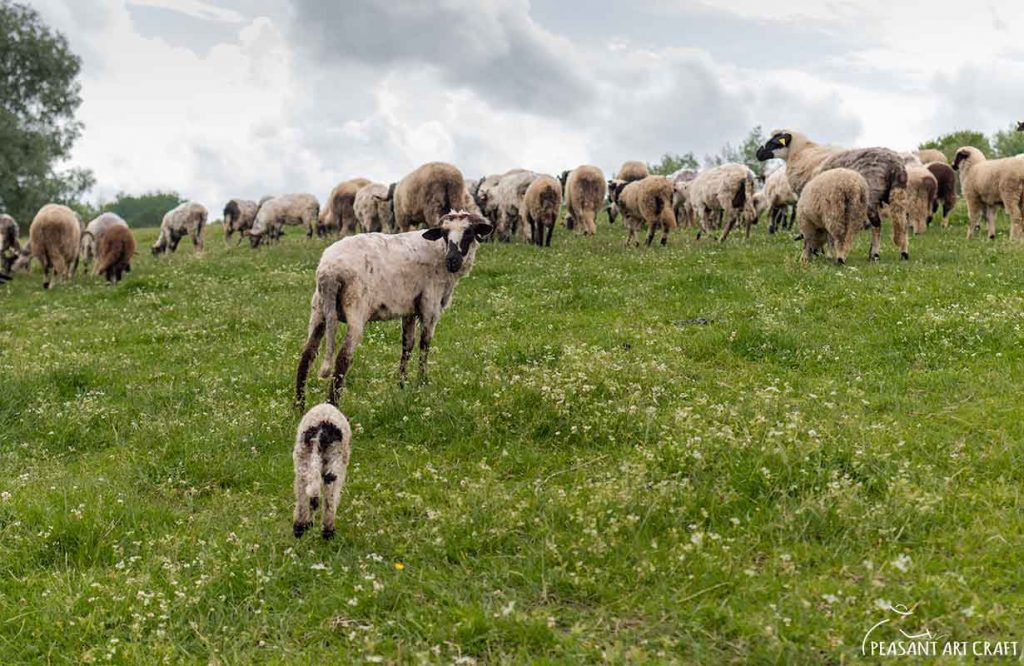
(434, 234)
(482, 230)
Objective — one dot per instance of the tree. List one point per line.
(39, 95)
(144, 210)
(745, 153)
(1008, 142)
(670, 163)
(948, 143)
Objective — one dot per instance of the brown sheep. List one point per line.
(338, 214)
(647, 202)
(117, 247)
(541, 205)
(927, 155)
(585, 189)
(55, 236)
(946, 178)
(922, 194)
(629, 171)
(426, 195)
(832, 208)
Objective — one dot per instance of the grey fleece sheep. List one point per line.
(187, 219)
(299, 209)
(239, 214)
(9, 243)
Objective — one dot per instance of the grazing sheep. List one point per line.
(9, 244)
(55, 238)
(585, 190)
(681, 180)
(323, 445)
(832, 209)
(289, 209)
(628, 172)
(376, 277)
(910, 159)
(188, 219)
(882, 169)
(507, 197)
(239, 214)
(541, 205)
(946, 178)
(116, 249)
(989, 184)
(485, 195)
(922, 195)
(426, 195)
(927, 155)
(338, 214)
(373, 210)
(778, 199)
(93, 234)
(725, 193)
(646, 202)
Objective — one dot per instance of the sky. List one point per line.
(240, 98)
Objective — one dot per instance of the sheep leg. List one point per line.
(427, 326)
(991, 213)
(316, 334)
(551, 229)
(302, 517)
(900, 237)
(728, 227)
(408, 339)
(974, 212)
(1013, 210)
(197, 240)
(653, 228)
(328, 306)
(334, 479)
(353, 336)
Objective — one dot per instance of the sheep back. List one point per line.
(427, 194)
(946, 180)
(55, 236)
(116, 249)
(338, 212)
(372, 209)
(543, 200)
(632, 170)
(585, 190)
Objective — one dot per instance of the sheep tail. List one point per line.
(115, 252)
(328, 289)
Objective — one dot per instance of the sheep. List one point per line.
(725, 192)
(989, 184)
(946, 195)
(585, 190)
(832, 208)
(681, 180)
(882, 169)
(9, 244)
(778, 199)
(298, 209)
(376, 277)
(629, 171)
(372, 209)
(94, 232)
(55, 239)
(116, 249)
(485, 196)
(646, 202)
(239, 214)
(540, 208)
(927, 155)
(323, 444)
(426, 195)
(188, 219)
(922, 194)
(507, 197)
(910, 159)
(338, 213)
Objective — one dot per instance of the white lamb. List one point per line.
(323, 445)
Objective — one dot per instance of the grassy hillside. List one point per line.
(592, 473)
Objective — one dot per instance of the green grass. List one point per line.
(588, 476)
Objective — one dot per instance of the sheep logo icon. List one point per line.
(922, 643)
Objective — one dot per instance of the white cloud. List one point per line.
(193, 8)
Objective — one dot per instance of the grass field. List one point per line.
(591, 474)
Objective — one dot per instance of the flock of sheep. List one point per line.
(394, 270)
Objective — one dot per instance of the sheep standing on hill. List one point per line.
(989, 184)
(116, 249)
(426, 195)
(629, 171)
(55, 237)
(376, 277)
(832, 209)
(94, 232)
(778, 199)
(485, 193)
(338, 213)
(681, 180)
(922, 193)
(723, 193)
(298, 209)
(585, 190)
(882, 169)
(188, 219)
(946, 195)
(646, 202)
(239, 214)
(541, 206)
(373, 210)
(507, 196)
(9, 244)
(323, 445)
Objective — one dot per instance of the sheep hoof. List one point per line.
(992, 237)
(874, 257)
(298, 529)
(664, 241)
(314, 503)
(905, 256)
(841, 261)
(328, 533)
(46, 285)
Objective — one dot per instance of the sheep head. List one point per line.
(967, 156)
(777, 147)
(461, 231)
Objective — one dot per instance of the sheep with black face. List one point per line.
(377, 277)
(989, 185)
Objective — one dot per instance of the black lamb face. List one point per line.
(777, 147)
(960, 156)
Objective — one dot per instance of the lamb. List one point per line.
(946, 178)
(338, 213)
(376, 277)
(373, 210)
(725, 192)
(832, 208)
(585, 190)
(55, 237)
(681, 180)
(989, 184)
(426, 195)
(9, 244)
(646, 202)
(778, 199)
(882, 169)
(928, 155)
(323, 445)
(507, 197)
(188, 219)
(239, 214)
(94, 232)
(116, 249)
(292, 209)
(540, 208)
(922, 195)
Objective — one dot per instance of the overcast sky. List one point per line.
(223, 98)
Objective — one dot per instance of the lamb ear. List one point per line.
(434, 234)
(482, 230)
